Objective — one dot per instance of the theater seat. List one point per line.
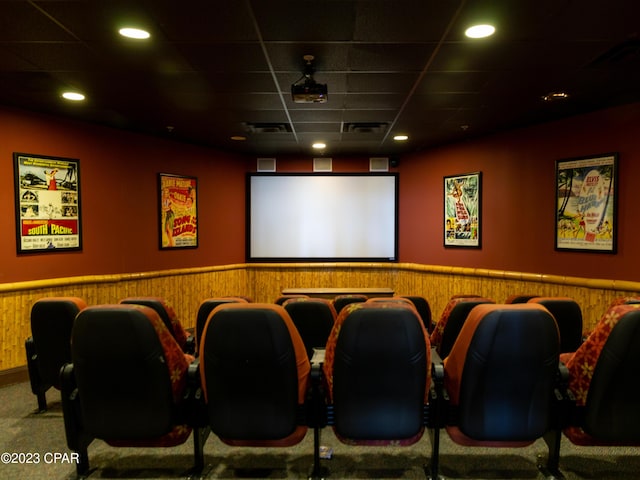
(283, 298)
(377, 369)
(126, 384)
(49, 346)
(254, 373)
(500, 376)
(424, 309)
(519, 298)
(568, 314)
(205, 309)
(451, 321)
(313, 318)
(603, 379)
(341, 301)
(169, 317)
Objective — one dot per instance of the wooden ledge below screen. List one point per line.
(333, 292)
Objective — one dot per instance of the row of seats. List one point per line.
(381, 382)
(313, 317)
(51, 321)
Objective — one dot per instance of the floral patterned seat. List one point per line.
(451, 321)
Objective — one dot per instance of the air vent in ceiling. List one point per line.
(364, 127)
(267, 127)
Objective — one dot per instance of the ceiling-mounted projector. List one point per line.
(306, 89)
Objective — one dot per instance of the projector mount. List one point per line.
(305, 89)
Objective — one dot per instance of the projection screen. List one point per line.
(322, 217)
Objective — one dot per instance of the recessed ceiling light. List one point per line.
(401, 138)
(319, 145)
(135, 33)
(553, 96)
(73, 96)
(480, 31)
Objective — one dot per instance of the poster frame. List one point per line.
(184, 235)
(455, 233)
(47, 203)
(566, 192)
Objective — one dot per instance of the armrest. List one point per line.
(438, 396)
(437, 367)
(316, 408)
(190, 344)
(195, 408)
(564, 400)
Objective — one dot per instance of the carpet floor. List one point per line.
(40, 437)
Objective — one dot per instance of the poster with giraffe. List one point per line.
(586, 203)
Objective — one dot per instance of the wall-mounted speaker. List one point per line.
(379, 164)
(322, 165)
(266, 165)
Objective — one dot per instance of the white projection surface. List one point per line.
(322, 217)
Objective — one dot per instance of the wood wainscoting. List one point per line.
(262, 282)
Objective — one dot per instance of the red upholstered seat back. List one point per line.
(166, 312)
(603, 376)
(450, 322)
(341, 301)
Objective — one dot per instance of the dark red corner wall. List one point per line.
(118, 174)
(119, 170)
(518, 199)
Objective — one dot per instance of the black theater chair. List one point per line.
(519, 298)
(254, 373)
(603, 380)
(500, 377)
(283, 298)
(451, 321)
(169, 317)
(377, 371)
(49, 346)
(424, 309)
(313, 318)
(205, 309)
(568, 314)
(341, 301)
(127, 384)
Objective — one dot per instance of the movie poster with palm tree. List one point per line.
(462, 210)
(586, 203)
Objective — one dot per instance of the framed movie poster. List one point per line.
(586, 203)
(462, 226)
(47, 203)
(178, 211)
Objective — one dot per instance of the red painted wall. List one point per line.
(118, 174)
(518, 200)
(119, 170)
